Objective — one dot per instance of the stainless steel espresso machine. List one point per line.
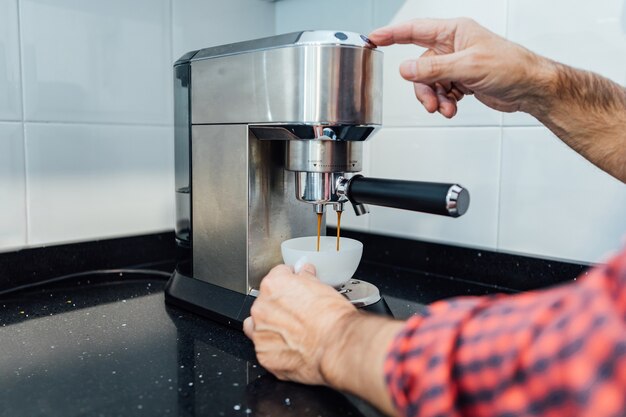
(268, 133)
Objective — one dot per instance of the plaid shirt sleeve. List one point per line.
(556, 352)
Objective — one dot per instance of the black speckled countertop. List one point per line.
(108, 345)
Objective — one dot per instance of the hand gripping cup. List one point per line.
(333, 267)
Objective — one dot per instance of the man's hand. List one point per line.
(294, 322)
(465, 58)
(305, 331)
(585, 110)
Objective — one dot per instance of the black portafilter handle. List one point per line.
(426, 197)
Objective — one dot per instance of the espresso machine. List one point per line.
(268, 133)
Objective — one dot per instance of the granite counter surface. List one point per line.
(108, 345)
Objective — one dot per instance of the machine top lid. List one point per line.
(307, 37)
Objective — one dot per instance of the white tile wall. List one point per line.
(10, 97)
(587, 35)
(469, 156)
(94, 61)
(12, 187)
(96, 91)
(386, 11)
(199, 23)
(91, 181)
(349, 15)
(91, 154)
(554, 203)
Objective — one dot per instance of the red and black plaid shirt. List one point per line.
(557, 352)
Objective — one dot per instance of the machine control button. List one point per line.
(367, 41)
(341, 36)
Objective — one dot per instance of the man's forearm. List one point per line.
(586, 111)
(355, 360)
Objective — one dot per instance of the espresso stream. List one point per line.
(319, 229)
(338, 228)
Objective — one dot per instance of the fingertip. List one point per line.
(431, 105)
(447, 103)
(308, 269)
(448, 110)
(426, 95)
(408, 69)
(248, 327)
(381, 36)
(442, 110)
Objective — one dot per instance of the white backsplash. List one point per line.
(97, 62)
(554, 202)
(12, 186)
(92, 155)
(72, 178)
(10, 84)
(86, 120)
(200, 24)
(441, 155)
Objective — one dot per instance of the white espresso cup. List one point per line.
(334, 267)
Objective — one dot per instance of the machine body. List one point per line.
(265, 130)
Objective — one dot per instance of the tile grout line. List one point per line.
(150, 124)
(367, 164)
(499, 201)
(492, 126)
(433, 126)
(81, 123)
(171, 37)
(24, 140)
(501, 142)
